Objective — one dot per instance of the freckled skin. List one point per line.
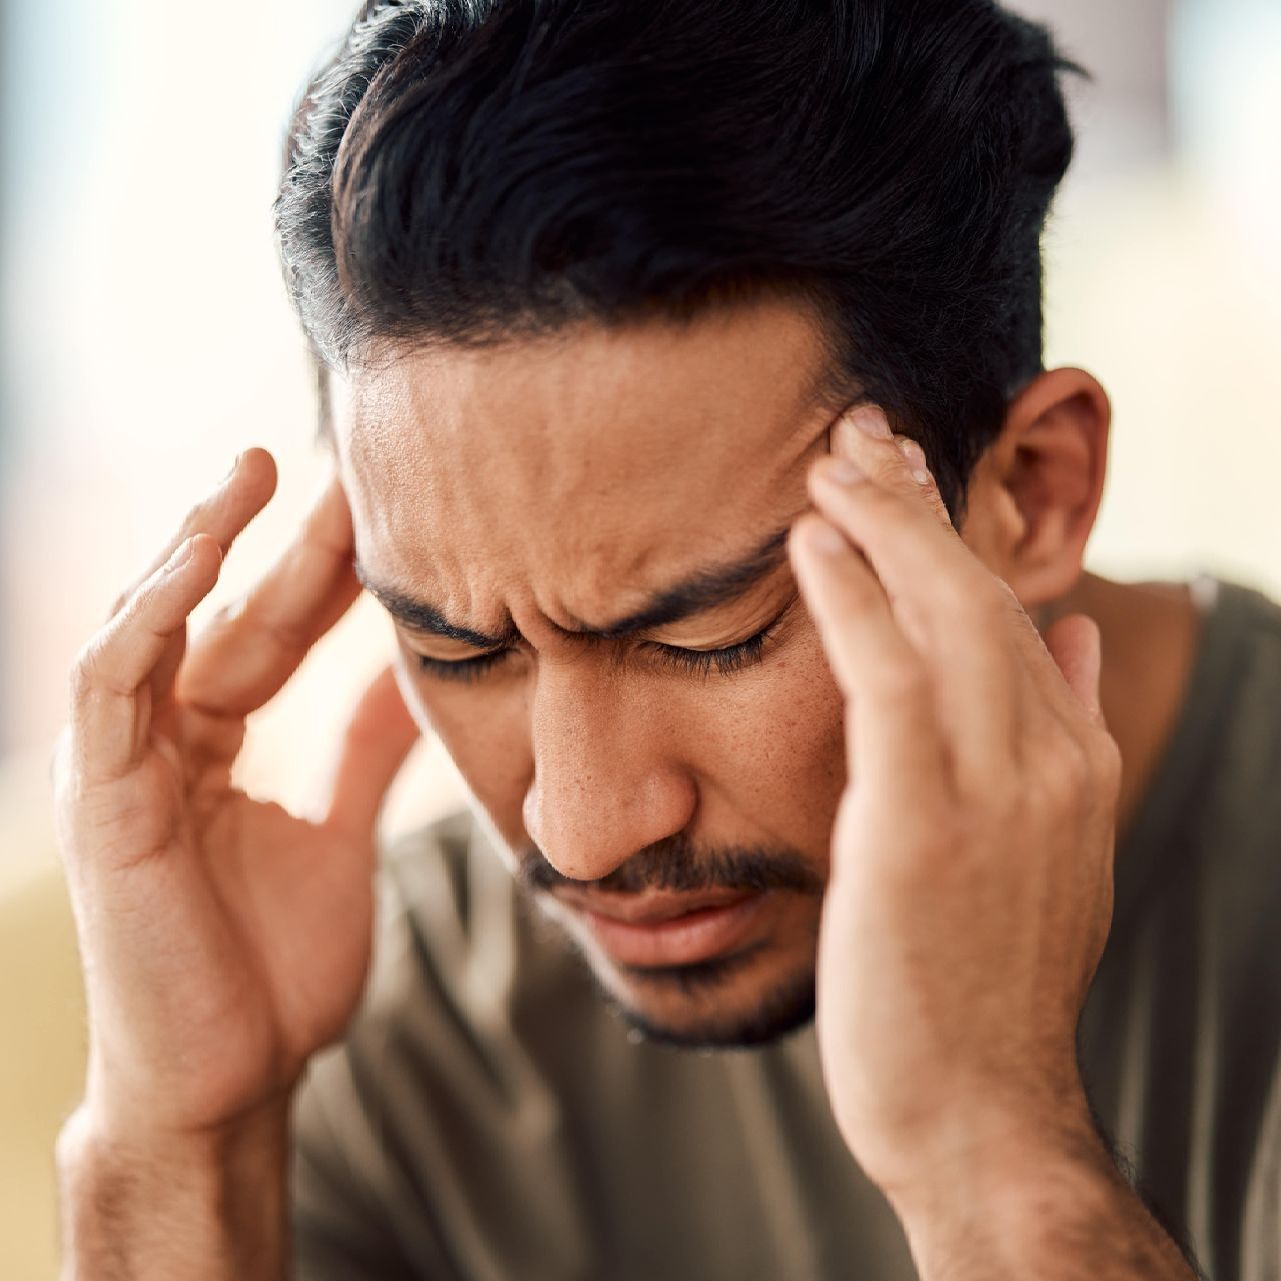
(571, 478)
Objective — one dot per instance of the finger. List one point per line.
(892, 727)
(222, 513)
(864, 436)
(947, 605)
(995, 673)
(937, 558)
(162, 676)
(248, 651)
(109, 721)
(996, 677)
(379, 736)
(1075, 645)
(895, 520)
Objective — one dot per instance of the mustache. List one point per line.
(676, 863)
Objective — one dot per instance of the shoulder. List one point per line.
(1238, 705)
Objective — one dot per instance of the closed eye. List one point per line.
(701, 662)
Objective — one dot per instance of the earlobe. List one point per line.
(1051, 461)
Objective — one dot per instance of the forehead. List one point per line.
(566, 473)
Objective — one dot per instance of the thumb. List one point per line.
(377, 740)
(1075, 645)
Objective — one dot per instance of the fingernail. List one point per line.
(842, 471)
(869, 420)
(234, 467)
(916, 463)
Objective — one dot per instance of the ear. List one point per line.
(1035, 494)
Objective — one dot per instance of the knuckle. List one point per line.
(1065, 772)
(85, 670)
(90, 677)
(889, 468)
(1105, 757)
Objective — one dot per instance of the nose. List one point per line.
(606, 782)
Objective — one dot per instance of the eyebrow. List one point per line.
(699, 592)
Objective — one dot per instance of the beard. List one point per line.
(783, 1009)
(717, 1020)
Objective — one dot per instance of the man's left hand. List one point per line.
(971, 883)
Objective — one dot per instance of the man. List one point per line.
(682, 368)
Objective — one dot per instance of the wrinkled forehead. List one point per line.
(593, 458)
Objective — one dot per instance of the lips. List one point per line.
(649, 909)
(654, 930)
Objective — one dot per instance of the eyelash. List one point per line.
(727, 660)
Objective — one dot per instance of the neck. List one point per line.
(1149, 633)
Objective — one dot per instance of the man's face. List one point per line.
(513, 507)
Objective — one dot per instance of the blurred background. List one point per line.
(146, 341)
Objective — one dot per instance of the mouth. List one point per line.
(653, 930)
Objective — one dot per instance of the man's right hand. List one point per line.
(224, 941)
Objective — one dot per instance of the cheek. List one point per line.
(485, 730)
(774, 750)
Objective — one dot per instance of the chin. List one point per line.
(734, 1002)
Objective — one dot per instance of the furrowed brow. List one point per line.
(419, 616)
(704, 590)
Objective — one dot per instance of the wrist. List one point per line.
(1045, 1201)
(999, 1195)
(995, 1153)
(97, 1136)
(217, 1197)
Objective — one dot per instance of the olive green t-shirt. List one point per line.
(488, 1119)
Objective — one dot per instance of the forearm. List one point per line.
(1060, 1215)
(208, 1209)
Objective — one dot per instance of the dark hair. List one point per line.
(476, 171)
